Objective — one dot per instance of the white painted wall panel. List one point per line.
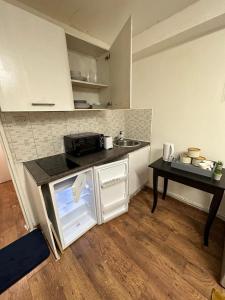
(185, 88)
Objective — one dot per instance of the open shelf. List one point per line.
(87, 84)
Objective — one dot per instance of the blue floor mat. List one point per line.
(20, 257)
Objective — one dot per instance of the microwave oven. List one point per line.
(83, 143)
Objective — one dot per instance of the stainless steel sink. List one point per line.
(126, 143)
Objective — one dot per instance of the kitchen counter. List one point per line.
(83, 162)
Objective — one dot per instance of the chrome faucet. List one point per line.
(121, 136)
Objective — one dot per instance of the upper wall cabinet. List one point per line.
(99, 76)
(34, 70)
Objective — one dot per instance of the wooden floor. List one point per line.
(136, 256)
(11, 218)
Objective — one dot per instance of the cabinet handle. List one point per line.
(43, 104)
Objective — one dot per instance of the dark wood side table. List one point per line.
(164, 169)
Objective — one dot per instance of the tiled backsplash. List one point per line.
(40, 134)
(138, 124)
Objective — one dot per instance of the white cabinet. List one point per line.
(111, 186)
(121, 68)
(108, 72)
(34, 69)
(138, 169)
(35, 61)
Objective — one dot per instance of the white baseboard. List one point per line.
(186, 201)
(138, 190)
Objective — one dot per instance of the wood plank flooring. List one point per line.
(138, 255)
(11, 217)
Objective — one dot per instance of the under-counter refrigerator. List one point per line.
(79, 201)
(73, 203)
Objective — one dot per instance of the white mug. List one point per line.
(108, 142)
(168, 151)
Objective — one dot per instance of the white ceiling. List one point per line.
(103, 19)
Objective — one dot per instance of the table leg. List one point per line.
(155, 190)
(214, 206)
(165, 188)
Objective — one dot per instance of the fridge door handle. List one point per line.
(113, 181)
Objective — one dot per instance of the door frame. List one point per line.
(14, 177)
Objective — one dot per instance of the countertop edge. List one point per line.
(42, 178)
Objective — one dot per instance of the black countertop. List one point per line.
(84, 162)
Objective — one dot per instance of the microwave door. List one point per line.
(88, 145)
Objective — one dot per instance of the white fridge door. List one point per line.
(74, 206)
(111, 182)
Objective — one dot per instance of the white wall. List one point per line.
(202, 17)
(4, 170)
(185, 87)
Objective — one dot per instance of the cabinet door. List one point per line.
(34, 69)
(138, 169)
(121, 68)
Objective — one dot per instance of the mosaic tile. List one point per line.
(39, 134)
